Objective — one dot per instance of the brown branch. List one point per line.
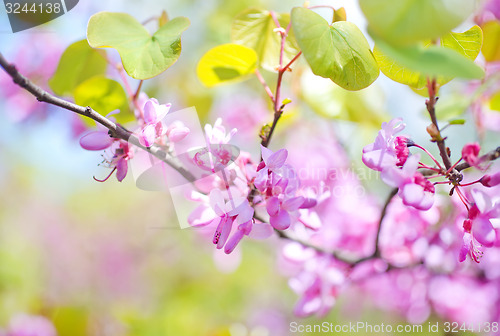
(115, 130)
(430, 104)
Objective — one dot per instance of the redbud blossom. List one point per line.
(470, 153)
(382, 152)
(120, 150)
(414, 189)
(153, 128)
(478, 228)
(30, 325)
(490, 180)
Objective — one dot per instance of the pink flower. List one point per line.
(478, 227)
(383, 151)
(319, 281)
(120, 150)
(279, 210)
(493, 6)
(470, 154)
(491, 180)
(470, 247)
(30, 325)
(414, 189)
(177, 131)
(153, 128)
(226, 214)
(278, 184)
(217, 134)
(272, 171)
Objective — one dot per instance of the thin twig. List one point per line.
(136, 94)
(115, 130)
(431, 107)
(264, 84)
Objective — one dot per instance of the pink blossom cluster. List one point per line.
(29, 325)
(245, 198)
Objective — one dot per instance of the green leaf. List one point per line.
(78, 63)
(491, 45)
(467, 44)
(408, 21)
(104, 95)
(254, 28)
(457, 122)
(339, 52)
(397, 72)
(226, 63)
(432, 61)
(495, 102)
(143, 56)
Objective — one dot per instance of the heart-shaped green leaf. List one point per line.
(104, 95)
(339, 52)
(78, 63)
(254, 28)
(409, 21)
(226, 63)
(143, 56)
(467, 44)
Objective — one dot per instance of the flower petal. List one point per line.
(178, 133)
(261, 231)
(464, 250)
(293, 204)
(273, 206)
(150, 112)
(233, 241)
(277, 159)
(148, 135)
(97, 140)
(121, 169)
(483, 231)
(281, 221)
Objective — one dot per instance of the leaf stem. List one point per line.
(264, 84)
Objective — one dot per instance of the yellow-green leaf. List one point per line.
(78, 63)
(255, 28)
(104, 95)
(397, 72)
(467, 43)
(495, 102)
(226, 63)
(339, 15)
(491, 44)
